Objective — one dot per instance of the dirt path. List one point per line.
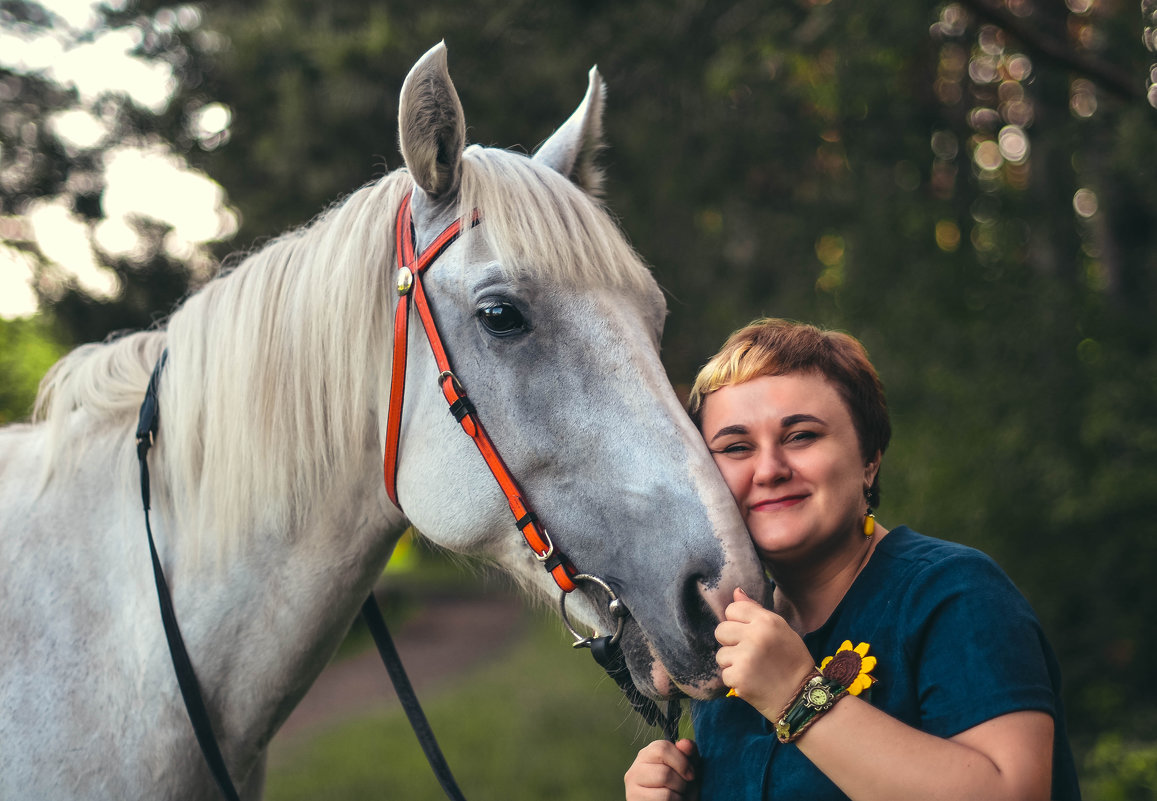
(447, 637)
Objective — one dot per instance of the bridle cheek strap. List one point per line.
(411, 265)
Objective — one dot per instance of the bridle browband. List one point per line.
(605, 649)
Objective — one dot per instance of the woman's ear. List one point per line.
(872, 469)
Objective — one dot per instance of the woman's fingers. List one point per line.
(729, 632)
(662, 771)
(742, 609)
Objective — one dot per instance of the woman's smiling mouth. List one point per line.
(776, 504)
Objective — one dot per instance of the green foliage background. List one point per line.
(541, 722)
(824, 160)
(27, 349)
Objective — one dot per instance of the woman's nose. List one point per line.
(770, 467)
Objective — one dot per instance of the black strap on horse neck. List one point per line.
(147, 427)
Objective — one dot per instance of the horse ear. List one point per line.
(431, 125)
(571, 150)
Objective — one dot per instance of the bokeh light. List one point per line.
(947, 235)
(1083, 98)
(1013, 144)
(1085, 202)
(987, 155)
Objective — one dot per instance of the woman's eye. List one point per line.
(801, 436)
(735, 449)
(502, 319)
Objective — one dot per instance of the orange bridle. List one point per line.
(411, 265)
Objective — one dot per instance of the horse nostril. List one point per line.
(700, 618)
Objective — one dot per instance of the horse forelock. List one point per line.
(274, 367)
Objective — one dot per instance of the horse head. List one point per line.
(552, 324)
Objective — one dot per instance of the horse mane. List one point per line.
(274, 367)
(543, 225)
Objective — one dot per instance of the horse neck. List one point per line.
(261, 627)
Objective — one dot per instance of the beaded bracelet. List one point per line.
(815, 696)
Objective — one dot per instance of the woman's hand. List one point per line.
(761, 657)
(664, 771)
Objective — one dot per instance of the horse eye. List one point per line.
(502, 319)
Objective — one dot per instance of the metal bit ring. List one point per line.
(617, 608)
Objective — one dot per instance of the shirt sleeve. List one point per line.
(977, 647)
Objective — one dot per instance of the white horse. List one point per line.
(269, 509)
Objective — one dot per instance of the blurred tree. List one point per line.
(42, 164)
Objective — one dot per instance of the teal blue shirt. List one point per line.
(956, 644)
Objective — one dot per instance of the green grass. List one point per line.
(543, 722)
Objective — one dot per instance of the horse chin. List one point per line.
(653, 679)
(702, 691)
(667, 687)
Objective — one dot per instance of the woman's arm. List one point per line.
(869, 754)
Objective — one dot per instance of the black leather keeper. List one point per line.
(461, 408)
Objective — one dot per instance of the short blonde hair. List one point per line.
(772, 346)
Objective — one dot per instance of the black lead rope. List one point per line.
(186, 678)
(606, 652)
(372, 614)
(147, 427)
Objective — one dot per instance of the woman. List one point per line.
(936, 679)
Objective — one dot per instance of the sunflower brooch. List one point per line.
(850, 667)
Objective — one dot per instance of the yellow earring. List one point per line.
(869, 524)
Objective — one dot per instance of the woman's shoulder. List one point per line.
(926, 563)
(906, 543)
(906, 546)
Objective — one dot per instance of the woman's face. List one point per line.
(788, 450)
